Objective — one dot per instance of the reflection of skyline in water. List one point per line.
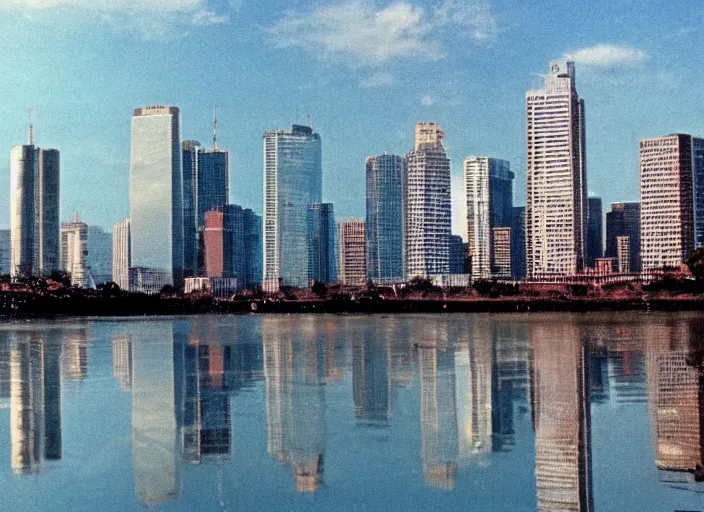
(561, 411)
(469, 385)
(294, 371)
(676, 397)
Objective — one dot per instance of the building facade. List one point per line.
(189, 157)
(385, 212)
(458, 255)
(427, 215)
(501, 252)
(232, 247)
(292, 181)
(156, 200)
(74, 252)
(556, 210)
(352, 237)
(34, 211)
(671, 174)
(489, 196)
(595, 230)
(99, 254)
(121, 260)
(4, 252)
(624, 220)
(322, 261)
(518, 242)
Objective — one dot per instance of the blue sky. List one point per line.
(365, 70)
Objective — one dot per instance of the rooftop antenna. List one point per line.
(215, 127)
(310, 122)
(31, 128)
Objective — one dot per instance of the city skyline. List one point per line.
(444, 79)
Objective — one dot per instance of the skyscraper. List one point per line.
(384, 222)
(34, 210)
(292, 180)
(624, 220)
(458, 255)
(353, 269)
(595, 230)
(427, 205)
(121, 247)
(74, 251)
(489, 196)
(671, 195)
(190, 151)
(518, 242)
(156, 206)
(4, 252)
(99, 254)
(556, 210)
(322, 264)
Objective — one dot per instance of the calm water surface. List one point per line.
(597, 412)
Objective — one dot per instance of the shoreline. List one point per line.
(48, 306)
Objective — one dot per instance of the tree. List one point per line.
(110, 289)
(319, 289)
(696, 264)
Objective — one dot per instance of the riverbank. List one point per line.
(46, 306)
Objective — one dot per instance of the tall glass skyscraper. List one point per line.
(205, 187)
(156, 203)
(384, 223)
(427, 205)
(322, 265)
(191, 148)
(556, 210)
(624, 221)
(34, 211)
(489, 196)
(293, 179)
(595, 230)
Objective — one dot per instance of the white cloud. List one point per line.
(153, 19)
(378, 79)
(427, 101)
(607, 56)
(361, 34)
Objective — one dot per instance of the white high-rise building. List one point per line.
(121, 254)
(156, 195)
(556, 210)
(293, 180)
(428, 214)
(74, 252)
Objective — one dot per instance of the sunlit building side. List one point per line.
(74, 251)
(156, 209)
(556, 210)
(121, 260)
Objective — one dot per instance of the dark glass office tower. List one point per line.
(595, 230)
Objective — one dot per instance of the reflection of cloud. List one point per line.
(360, 34)
(152, 19)
(607, 56)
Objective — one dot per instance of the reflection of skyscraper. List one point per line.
(561, 408)
(75, 361)
(370, 381)
(35, 403)
(207, 423)
(295, 398)
(154, 422)
(474, 378)
(676, 400)
(122, 361)
(438, 415)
